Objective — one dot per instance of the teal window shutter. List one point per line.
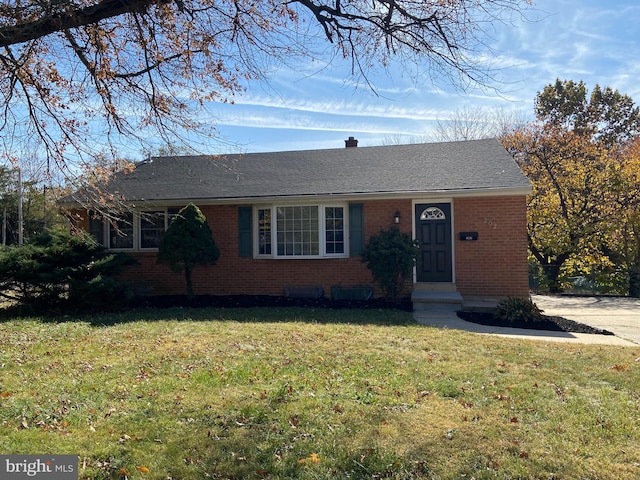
(356, 229)
(245, 243)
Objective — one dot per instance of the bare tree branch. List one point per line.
(82, 73)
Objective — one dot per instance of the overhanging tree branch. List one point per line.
(68, 17)
(143, 70)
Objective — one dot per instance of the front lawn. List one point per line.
(313, 393)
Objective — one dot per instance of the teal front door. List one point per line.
(433, 232)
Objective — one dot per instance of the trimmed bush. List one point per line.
(187, 243)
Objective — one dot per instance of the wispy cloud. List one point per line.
(273, 119)
(343, 107)
(587, 40)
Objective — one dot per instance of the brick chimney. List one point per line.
(350, 143)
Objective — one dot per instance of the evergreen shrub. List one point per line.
(391, 256)
(58, 272)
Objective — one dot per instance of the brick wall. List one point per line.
(496, 264)
(493, 266)
(238, 275)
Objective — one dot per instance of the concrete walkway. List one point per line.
(618, 315)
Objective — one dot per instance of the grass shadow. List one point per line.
(238, 308)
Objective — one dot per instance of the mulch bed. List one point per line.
(555, 324)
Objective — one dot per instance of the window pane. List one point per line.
(121, 234)
(172, 213)
(264, 231)
(297, 227)
(96, 229)
(334, 230)
(151, 229)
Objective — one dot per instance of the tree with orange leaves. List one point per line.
(566, 209)
(622, 242)
(570, 155)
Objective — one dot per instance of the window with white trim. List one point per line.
(301, 231)
(334, 230)
(142, 231)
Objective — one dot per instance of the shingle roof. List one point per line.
(453, 167)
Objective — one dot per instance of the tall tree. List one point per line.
(188, 243)
(73, 71)
(569, 156)
(622, 240)
(565, 211)
(607, 116)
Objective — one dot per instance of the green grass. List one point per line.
(313, 394)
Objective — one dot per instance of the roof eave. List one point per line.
(349, 196)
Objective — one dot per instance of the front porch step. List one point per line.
(436, 298)
(434, 287)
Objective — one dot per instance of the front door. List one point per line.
(433, 232)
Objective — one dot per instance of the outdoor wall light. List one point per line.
(396, 217)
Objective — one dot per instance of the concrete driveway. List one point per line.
(618, 315)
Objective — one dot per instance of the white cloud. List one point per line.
(587, 40)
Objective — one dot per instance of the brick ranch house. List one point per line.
(296, 222)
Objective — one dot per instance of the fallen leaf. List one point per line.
(5, 394)
(313, 458)
(142, 469)
(524, 455)
(514, 420)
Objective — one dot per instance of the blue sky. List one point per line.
(317, 106)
